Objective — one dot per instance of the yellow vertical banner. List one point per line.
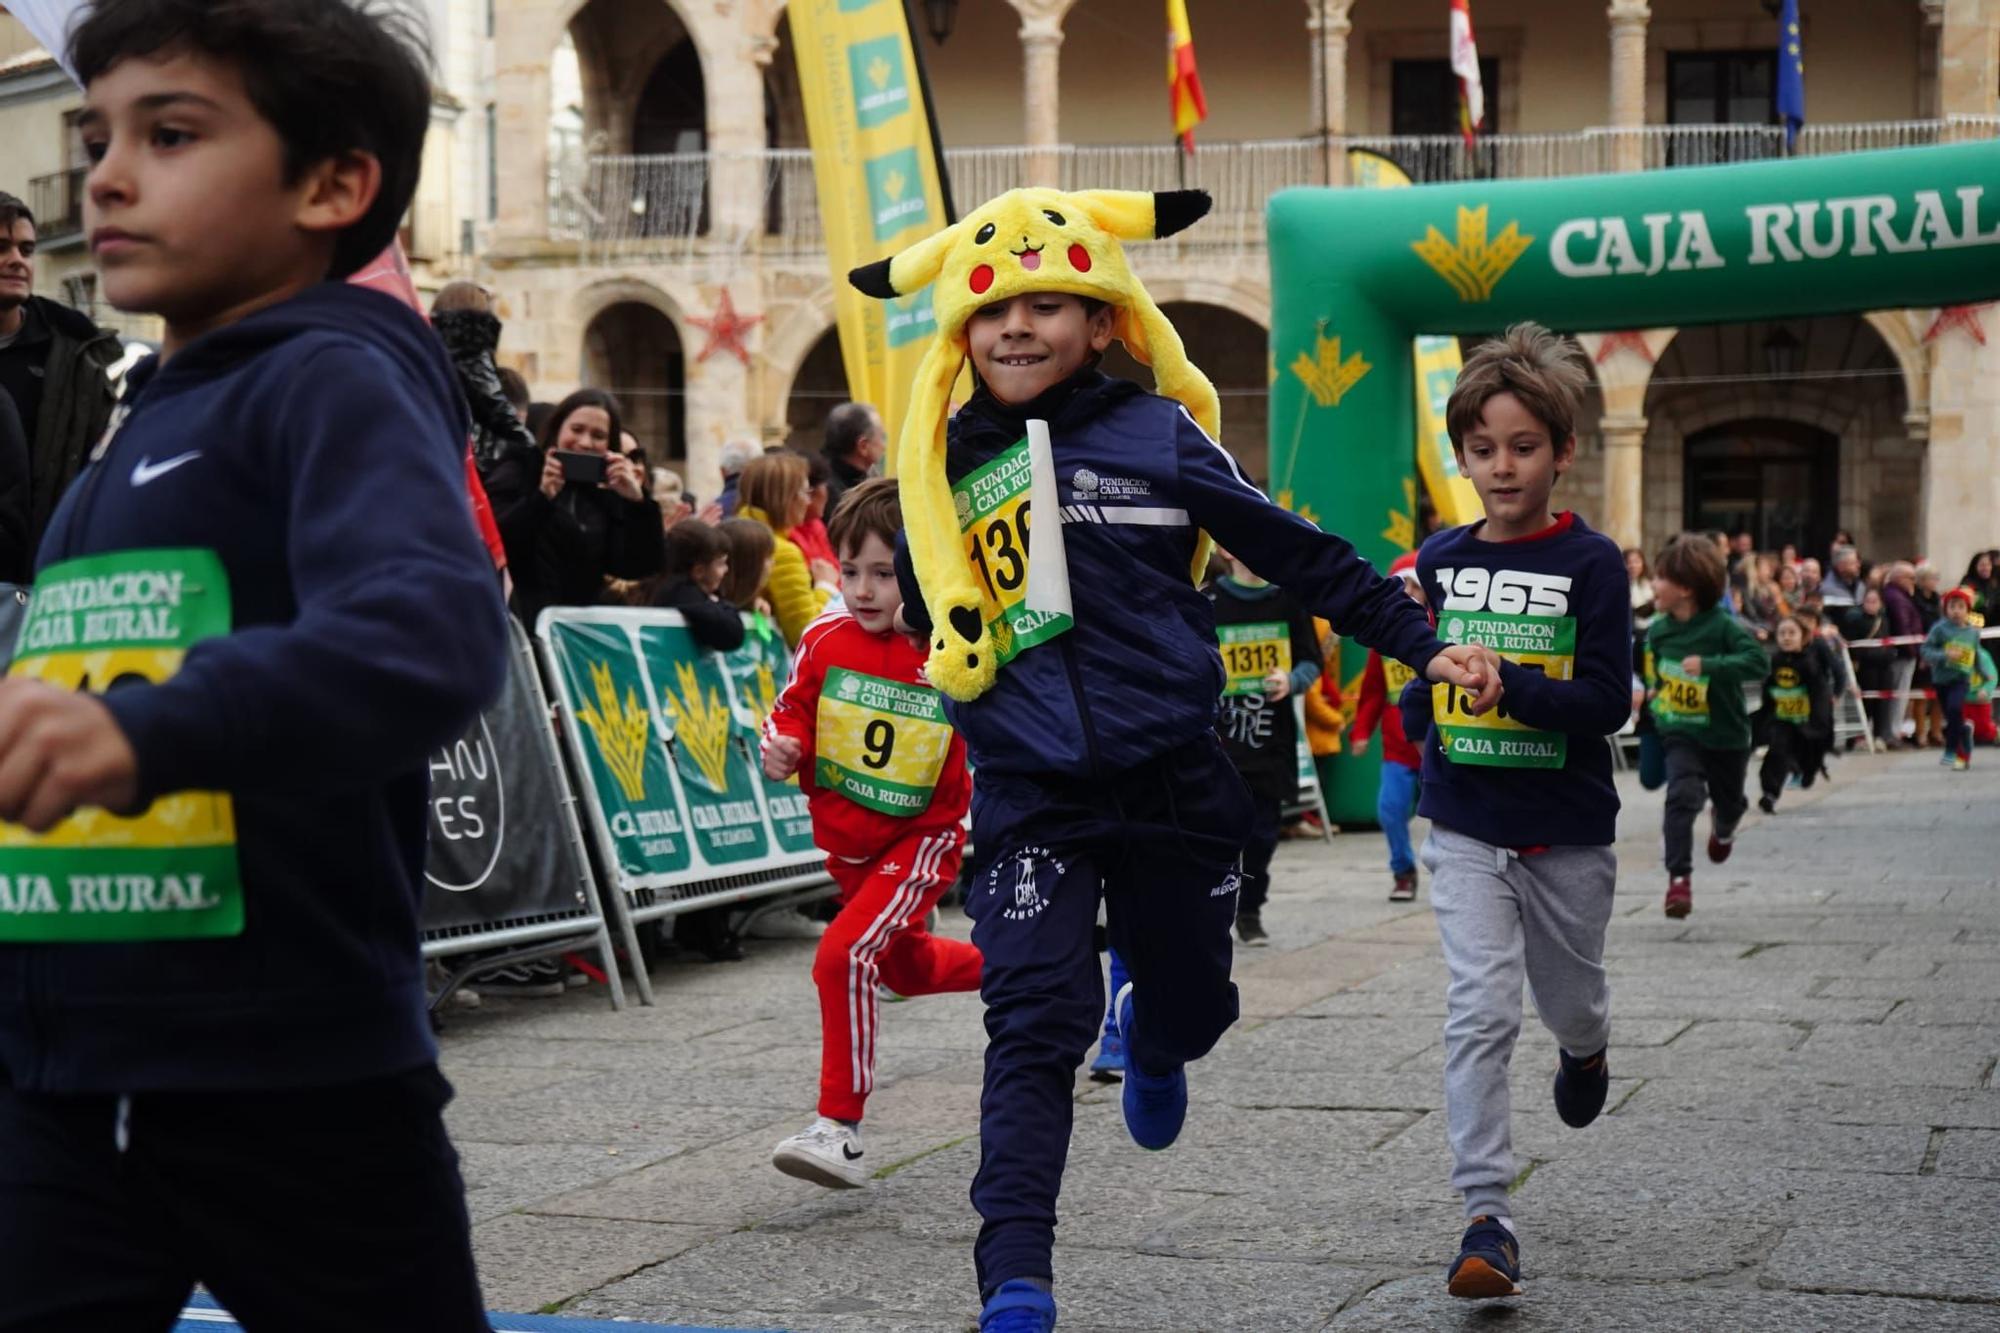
(1438, 364)
(875, 167)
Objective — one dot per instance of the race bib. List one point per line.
(1958, 655)
(1494, 739)
(170, 873)
(880, 743)
(1252, 652)
(1396, 676)
(1682, 700)
(1793, 703)
(993, 519)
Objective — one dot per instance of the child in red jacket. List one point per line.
(1396, 798)
(885, 775)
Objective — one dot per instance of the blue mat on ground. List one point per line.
(203, 1315)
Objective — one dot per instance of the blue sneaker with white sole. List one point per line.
(1155, 1104)
(1018, 1306)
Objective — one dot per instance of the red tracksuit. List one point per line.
(1379, 706)
(862, 753)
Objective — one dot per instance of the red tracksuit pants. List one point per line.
(879, 936)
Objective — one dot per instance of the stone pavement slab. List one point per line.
(1803, 1133)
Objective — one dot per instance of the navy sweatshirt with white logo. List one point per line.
(316, 447)
(1539, 774)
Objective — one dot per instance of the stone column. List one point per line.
(1961, 487)
(1041, 51)
(1969, 62)
(1624, 475)
(525, 36)
(1927, 57)
(737, 167)
(1628, 83)
(1328, 22)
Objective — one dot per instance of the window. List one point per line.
(1423, 102)
(1736, 89)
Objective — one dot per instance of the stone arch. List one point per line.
(818, 386)
(788, 340)
(631, 338)
(1231, 345)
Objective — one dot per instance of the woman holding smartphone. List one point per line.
(588, 518)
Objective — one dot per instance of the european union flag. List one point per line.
(1791, 74)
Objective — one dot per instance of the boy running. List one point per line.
(1698, 657)
(1522, 808)
(1952, 653)
(1089, 713)
(885, 776)
(258, 611)
(1798, 709)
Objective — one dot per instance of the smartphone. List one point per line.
(580, 468)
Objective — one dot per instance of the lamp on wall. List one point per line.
(1781, 353)
(940, 16)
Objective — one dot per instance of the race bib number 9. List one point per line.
(1250, 653)
(1958, 655)
(1682, 700)
(95, 624)
(880, 743)
(993, 519)
(1494, 739)
(1793, 703)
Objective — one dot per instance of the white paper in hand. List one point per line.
(1048, 567)
(48, 22)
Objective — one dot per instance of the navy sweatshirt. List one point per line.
(1139, 674)
(316, 447)
(1540, 774)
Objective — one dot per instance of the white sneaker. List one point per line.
(828, 1154)
(787, 923)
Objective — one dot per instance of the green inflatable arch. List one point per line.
(1357, 274)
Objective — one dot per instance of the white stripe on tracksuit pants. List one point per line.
(863, 1006)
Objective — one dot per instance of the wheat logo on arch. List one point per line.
(1473, 265)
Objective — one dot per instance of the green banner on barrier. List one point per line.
(1357, 274)
(716, 779)
(627, 762)
(757, 671)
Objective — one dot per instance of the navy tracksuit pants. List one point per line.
(1161, 843)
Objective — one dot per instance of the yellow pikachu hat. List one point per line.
(1034, 240)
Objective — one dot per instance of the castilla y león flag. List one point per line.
(1184, 93)
(1465, 64)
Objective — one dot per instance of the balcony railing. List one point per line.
(660, 206)
(58, 204)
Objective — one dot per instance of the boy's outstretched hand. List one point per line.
(60, 749)
(1471, 667)
(781, 757)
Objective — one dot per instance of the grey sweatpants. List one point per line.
(1501, 915)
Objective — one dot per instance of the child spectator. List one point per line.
(1522, 808)
(1100, 774)
(1698, 658)
(885, 775)
(1382, 684)
(752, 553)
(697, 567)
(1269, 655)
(237, 1084)
(1979, 699)
(1797, 708)
(1951, 651)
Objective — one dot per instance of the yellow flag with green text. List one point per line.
(875, 164)
(1437, 371)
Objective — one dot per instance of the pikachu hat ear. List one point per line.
(1142, 215)
(907, 271)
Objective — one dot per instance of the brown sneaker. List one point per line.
(1405, 888)
(1680, 896)
(1720, 848)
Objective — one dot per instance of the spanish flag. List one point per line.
(1184, 95)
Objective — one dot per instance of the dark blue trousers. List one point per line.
(1161, 843)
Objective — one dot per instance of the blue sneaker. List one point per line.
(1109, 1066)
(1155, 1104)
(1019, 1306)
(1581, 1085)
(1488, 1263)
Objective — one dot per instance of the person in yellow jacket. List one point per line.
(775, 490)
(1324, 718)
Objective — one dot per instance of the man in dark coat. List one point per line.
(55, 365)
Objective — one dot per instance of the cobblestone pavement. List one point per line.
(1804, 1130)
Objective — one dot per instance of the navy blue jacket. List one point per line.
(1139, 673)
(323, 440)
(1574, 572)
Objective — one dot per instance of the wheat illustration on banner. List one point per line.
(1473, 265)
(701, 726)
(620, 727)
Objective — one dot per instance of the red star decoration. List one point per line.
(1958, 317)
(725, 329)
(1630, 339)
